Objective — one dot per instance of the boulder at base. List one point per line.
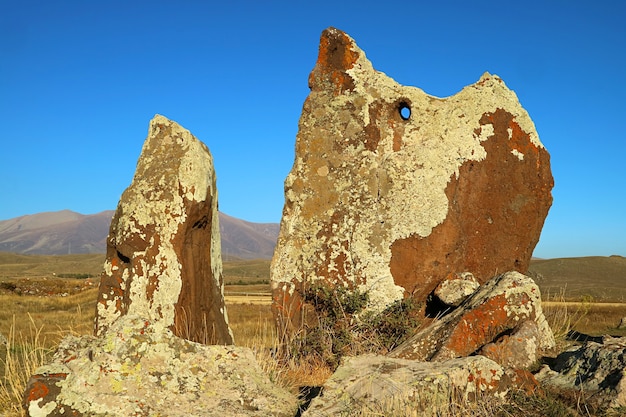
(382, 386)
(492, 319)
(164, 261)
(393, 189)
(132, 370)
(596, 370)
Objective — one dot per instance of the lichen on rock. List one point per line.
(160, 304)
(384, 385)
(500, 307)
(135, 369)
(393, 189)
(163, 259)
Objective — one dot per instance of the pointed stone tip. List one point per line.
(333, 32)
(487, 76)
(160, 119)
(337, 50)
(337, 54)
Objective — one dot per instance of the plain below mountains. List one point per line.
(68, 232)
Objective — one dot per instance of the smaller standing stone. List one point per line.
(164, 261)
(161, 293)
(622, 324)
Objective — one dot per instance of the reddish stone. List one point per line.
(497, 209)
(502, 305)
(517, 350)
(40, 396)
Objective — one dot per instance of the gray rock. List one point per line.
(596, 369)
(384, 385)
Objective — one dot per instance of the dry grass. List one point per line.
(253, 326)
(35, 324)
(455, 404)
(24, 353)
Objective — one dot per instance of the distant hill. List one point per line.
(56, 233)
(67, 232)
(602, 278)
(247, 240)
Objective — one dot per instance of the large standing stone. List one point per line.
(393, 189)
(164, 259)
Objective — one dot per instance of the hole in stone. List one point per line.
(405, 110)
(123, 258)
(201, 224)
(435, 308)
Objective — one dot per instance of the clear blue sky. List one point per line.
(80, 80)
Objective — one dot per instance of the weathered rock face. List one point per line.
(135, 370)
(163, 259)
(161, 292)
(386, 386)
(392, 189)
(598, 370)
(518, 350)
(501, 306)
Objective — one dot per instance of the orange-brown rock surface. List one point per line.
(504, 318)
(393, 189)
(164, 260)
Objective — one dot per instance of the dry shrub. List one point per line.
(253, 326)
(342, 326)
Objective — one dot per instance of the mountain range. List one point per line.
(64, 232)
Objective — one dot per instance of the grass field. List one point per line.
(38, 307)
